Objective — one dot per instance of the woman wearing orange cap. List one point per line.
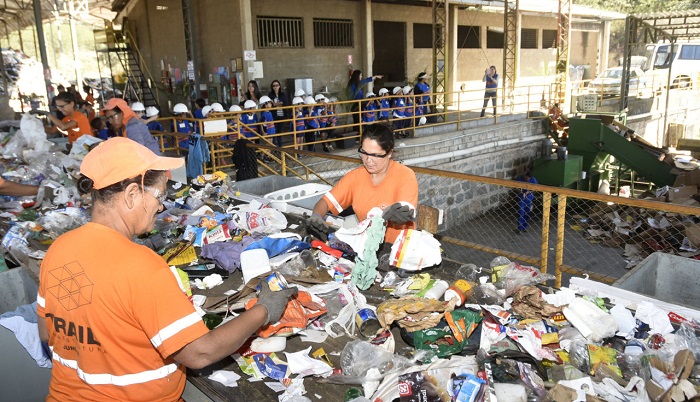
(74, 124)
(117, 322)
(125, 123)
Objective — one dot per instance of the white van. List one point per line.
(686, 64)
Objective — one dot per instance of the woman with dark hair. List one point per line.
(491, 80)
(253, 92)
(124, 123)
(74, 124)
(127, 303)
(355, 91)
(379, 182)
(279, 100)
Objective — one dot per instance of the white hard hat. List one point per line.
(206, 110)
(151, 111)
(422, 120)
(249, 104)
(309, 100)
(216, 107)
(179, 108)
(264, 99)
(407, 89)
(138, 107)
(319, 97)
(370, 95)
(333, 99)
(297, 100)
(396, 90)
(300, 93)
(234, 108)
(383, 91)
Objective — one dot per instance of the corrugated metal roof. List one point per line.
(683, 25)
(17, 14)
(545, 7)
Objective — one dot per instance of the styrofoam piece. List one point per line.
(254, 263)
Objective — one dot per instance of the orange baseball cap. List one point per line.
(119, 159)
(112, 103)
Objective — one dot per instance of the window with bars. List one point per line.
(468, 37)
(528, 38)
(332, 33)
(276, 32)
(549, 38)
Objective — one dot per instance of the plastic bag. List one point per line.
(686, 339)
(358, 357)
(593, 323)
(515, 275)
(414, 250)
(264, 221)
(300, 310)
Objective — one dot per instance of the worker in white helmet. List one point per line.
(182, 125)
(298, 124)
(384, 105)
(139, 109)
(249, 120)
(152, 114)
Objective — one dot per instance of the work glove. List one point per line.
(398, 213)
(319, 228)
(274, 302)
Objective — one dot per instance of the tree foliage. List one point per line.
(640, 6)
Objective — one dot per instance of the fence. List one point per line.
(561, 231)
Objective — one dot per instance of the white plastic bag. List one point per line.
(414, 250)
(264, 221)
(593, 323)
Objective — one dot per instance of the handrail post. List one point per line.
(546, 205)
(561, 217)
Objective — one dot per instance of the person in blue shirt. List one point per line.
(491, 80)
(100, 128)
(198, 105)
(384, 105)
(152, 114)
(267, 120)
(410, 108)
(312, 123)
(525, 198)
(355, 91)
(369, 114)
(180, 112)
(298, 124)
(249, 120)
(422, 88)
(399, 112)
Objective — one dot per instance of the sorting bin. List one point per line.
(666, 277)
(22, 379)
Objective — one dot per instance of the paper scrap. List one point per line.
(313, 336)
(301, 363)
(228, 378)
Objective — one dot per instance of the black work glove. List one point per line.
(274, 302)
(319, 228)
(398, 213)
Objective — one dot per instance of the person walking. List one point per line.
(491, 80)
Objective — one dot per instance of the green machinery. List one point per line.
(590, 144)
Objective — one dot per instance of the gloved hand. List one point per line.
(274, 302)
(398, 213)
(319, 228)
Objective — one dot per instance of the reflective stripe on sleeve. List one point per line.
(118, 380)
(40, 301)
(174, 328)
(333, 201)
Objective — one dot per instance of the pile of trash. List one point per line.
(419, 332)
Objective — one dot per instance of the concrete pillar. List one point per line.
(368, 34)
(604, 46)
(246, 40)
(452, 51)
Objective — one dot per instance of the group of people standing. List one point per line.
(408, 105)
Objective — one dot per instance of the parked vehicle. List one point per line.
(609, 81)
(685, 68)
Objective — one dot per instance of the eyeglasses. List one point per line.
(275, 86)
(110, 117)
(367, 154)
(158, 196)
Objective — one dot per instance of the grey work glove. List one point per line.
(274, 302)
(398, 213)
(319, 228)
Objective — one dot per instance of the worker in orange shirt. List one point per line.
(75, 124)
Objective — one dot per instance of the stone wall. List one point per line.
(502, 151)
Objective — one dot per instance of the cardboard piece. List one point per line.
(677, 193)
(683, 363)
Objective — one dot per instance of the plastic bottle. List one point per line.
(353, 393)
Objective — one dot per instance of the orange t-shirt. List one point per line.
(356, 189)
(83, 126)
(115, 314)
